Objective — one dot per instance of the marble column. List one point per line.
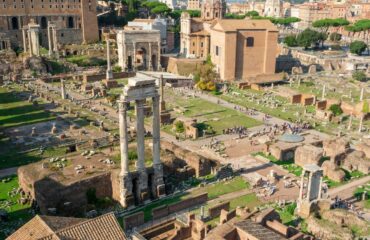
(362, 94)
(122, 110)
(361, 123)
(156, 132)
(159, 68)
(29, 43)
(134, 58)
(49, 41)
(163, 103)
(62, 89)
(109, 68)
(150, 68)
(24, 39)
(350, 122)
(323, 92)
(140, 135)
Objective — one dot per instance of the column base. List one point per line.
(110, 83)
(161, 190)
(144, 196)
(127, 199)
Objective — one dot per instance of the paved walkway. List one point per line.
(8, 171)
(346, 191)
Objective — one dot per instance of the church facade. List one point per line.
(240, 49)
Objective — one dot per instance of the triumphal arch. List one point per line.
(139, 49)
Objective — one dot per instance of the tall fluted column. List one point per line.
(29, 43)
(122, 107)
(134, 58)
(109, 68)
(140, 135)
(156, 132)
(49, 41)
(24, 39)
(159, 56)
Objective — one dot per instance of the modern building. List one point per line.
(76, 21)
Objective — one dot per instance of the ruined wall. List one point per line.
(175, 207)
(133, 220)
(216, 210)
(201, 165)
(99, 77)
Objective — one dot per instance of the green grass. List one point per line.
(16, 112)
(221, 188)
(86, 61)
(211, 114)
(287, 213)
(249, 200)
(12, 157)
(18, 214)
(287, 165)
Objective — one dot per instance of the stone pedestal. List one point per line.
(165, 118)
(110, 83)
(127, 199)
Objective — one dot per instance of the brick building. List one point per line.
(75, 20)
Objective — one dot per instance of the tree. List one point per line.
(357, 47)
(359, 76)
(362, 25)
(326, 23)
(335, 109)
(309, 37)
(335, 37)
(291, 41)
(252, 14)
(207, 76)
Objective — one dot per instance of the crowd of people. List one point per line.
(240, 130)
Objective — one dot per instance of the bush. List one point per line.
(291, 41)
(357, 47)
(179, 127)
(117, 69)
(132, 155)
(336, 110)
(359, 76)
(335, 37)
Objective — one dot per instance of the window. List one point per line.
(216, 50)
(250, 41)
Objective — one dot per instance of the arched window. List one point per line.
(70, 22)
(44, 23)
(15, 24)
(250, 41)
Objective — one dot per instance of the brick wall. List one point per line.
(216, 210)
(133, 220)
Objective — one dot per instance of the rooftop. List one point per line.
(258, 231)
(232, 25)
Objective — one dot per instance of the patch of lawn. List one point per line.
(287, 165)
(221, 188)
(287, 213)
(249, 200)
(18, 214)
(213, 115)
(86, 61)
(15, 111)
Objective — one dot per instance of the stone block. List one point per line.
(308, 154)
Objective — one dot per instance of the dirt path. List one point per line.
(346, 191)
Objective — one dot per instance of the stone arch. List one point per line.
(154, 61)
(15, 24)
(141, 58)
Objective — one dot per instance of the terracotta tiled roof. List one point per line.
(103, 227)
(36, 228)
(231, 25)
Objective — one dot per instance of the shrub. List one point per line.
(291, 41)
(359, 76)
(336, 110)
(117, 69)
(357, 47)
(179, 127)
